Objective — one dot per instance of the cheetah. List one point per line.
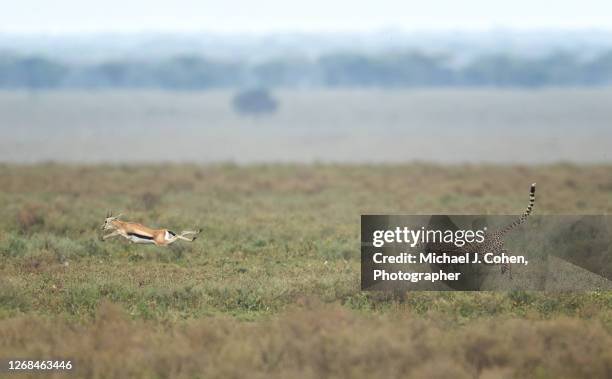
(493, 241)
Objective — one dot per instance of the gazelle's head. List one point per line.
(108, 221)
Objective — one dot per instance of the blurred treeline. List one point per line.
(399, 69)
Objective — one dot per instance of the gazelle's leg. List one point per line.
(115, 233)
(187, 232)
(184, 238)
(181, 236)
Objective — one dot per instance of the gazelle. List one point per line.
(139, 233)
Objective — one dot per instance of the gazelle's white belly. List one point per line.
(137, 239)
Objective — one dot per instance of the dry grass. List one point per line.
(314, 341)
(253, 296)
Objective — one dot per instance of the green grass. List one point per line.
(277, 241)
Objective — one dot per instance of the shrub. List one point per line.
(255, 101)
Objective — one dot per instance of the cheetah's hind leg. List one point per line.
(506, 266)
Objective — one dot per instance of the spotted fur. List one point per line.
(493, 241)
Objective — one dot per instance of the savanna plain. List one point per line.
(271, 287)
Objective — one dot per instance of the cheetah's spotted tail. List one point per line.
(528, 211)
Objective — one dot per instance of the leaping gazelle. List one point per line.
(138, 233)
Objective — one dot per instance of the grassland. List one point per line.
(271, 288)
(341, 125)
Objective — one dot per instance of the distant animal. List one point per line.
(138, 233)
(493, 241)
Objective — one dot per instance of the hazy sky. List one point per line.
(61, 16)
